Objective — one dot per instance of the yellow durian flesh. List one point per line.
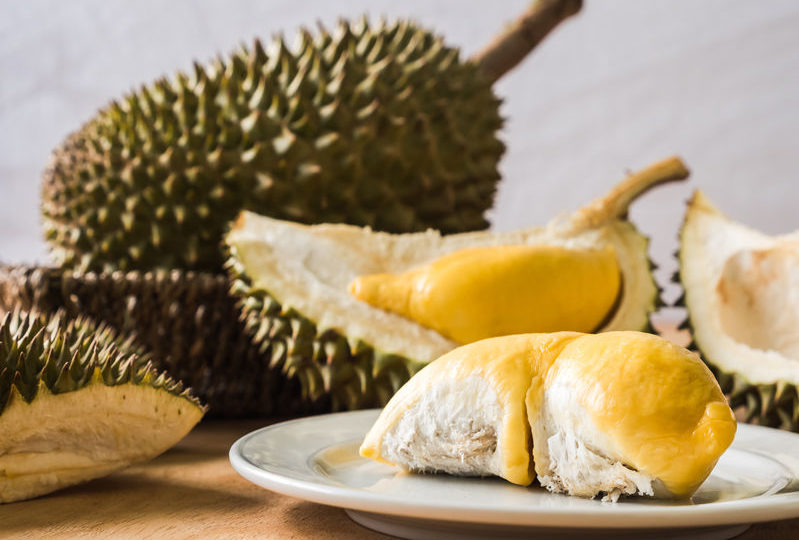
(655, 403)
(484, 292)
(512, 365)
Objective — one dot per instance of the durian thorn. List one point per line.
(615, 204)
(520, 37)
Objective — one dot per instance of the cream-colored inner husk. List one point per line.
(742, 293)
(758, 295)
(309, 268)
(64, 439)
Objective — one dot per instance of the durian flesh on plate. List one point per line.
(618, 413)
(742, 296)
(414, 297)
(76, 403)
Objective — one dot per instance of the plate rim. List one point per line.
(750, 510)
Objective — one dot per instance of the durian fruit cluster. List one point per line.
(382, 126)
(378, 125)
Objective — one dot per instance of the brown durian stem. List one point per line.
(615, 204)
(515, 43)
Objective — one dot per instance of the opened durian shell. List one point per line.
(740, 290)
(77, 403)
(293, 282)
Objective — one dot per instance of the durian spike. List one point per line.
(521, 37)
(615, 204)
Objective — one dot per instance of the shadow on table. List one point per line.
(311, 520)
(116, 501)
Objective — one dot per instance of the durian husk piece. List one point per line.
(77, 403)
(380, 125)
(356, 355)
(760, 380)
(187, 321)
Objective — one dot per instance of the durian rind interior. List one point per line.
(77, 402)
(77, 436)
(309, 269)
(742, 295)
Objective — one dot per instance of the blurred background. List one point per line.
(621, 85)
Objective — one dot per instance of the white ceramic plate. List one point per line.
(317, 459)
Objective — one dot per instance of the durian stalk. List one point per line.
(522, 36)
(615, 204)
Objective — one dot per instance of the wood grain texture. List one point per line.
(192, 491)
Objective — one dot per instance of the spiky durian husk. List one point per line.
(333, 373)
(78, 403)
(62, 355)
(371, 125)
(773, 405)
(187, 321)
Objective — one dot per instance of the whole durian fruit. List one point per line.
(186, 321)
(77, 403)
(380, 125)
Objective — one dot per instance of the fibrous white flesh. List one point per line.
(65, 439)
(309, 268)
(452, 428)
(572, 456)
(742, 293)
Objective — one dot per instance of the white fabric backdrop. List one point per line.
(625, 83)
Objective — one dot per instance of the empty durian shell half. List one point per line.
(295, 279)
(77, 404)
(742, 295)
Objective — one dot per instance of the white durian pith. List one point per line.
(742, 295)
(77, 436)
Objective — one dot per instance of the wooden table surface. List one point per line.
(192, 491)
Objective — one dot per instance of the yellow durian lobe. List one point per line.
(658, 403)
(484, 292)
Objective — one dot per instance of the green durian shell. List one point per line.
(186, 321)
(333, 372)
(62, 354)
(382, 126)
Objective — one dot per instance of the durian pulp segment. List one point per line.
(742, 295)
(309, 269)
(62, 439)
(484, 292)
(512, 366)
(658, 407)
